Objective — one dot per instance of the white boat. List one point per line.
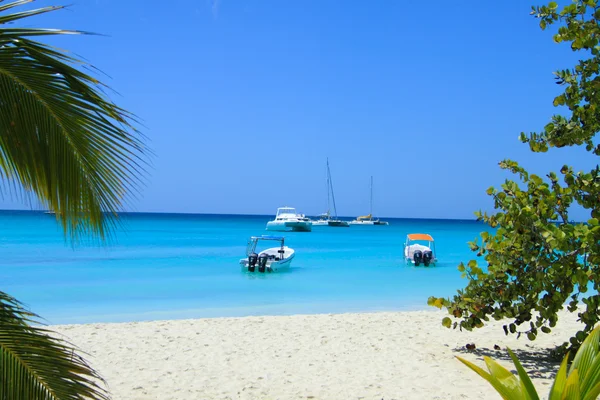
(326, 219)
(268, 260)
(323, 220)
(368, 219)
(420, 248)
(287, 219)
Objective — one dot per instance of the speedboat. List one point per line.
(269, 260)
(368, 219)
(420, 248)
(287, 220)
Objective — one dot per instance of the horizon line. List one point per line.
(238, 214)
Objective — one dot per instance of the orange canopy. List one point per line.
(420, 236)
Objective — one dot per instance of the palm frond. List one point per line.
(61, 138)
(37, 366)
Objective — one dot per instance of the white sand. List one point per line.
(399, 355)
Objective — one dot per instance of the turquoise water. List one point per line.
(167, 266)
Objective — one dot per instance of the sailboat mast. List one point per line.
(331, 186)
(328, 184)
(371, 208)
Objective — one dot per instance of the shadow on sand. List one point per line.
(539, 363)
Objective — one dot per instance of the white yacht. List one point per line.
(287, 219)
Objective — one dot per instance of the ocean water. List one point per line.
(171, 266)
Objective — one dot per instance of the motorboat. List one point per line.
(368, 219)
(420, 249)
(287, 219)
(268, 260)
(326, 219)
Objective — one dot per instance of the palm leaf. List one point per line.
(580, 381)
(571, 391)
(593, 393)
(587, 362)
(560, 380)
(35, 365)
(65, 143)
(506, 378)
(526, 383)
(505, 392)
(61, 138)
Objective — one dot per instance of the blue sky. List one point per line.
(243, 101)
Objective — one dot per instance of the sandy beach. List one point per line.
(386, 355)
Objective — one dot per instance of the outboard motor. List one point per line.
(252, 259)
(427, 257)
(262, 262)
(418, 257)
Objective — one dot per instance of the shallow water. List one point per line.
(167, 266)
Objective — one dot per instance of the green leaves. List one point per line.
(534, 260)
(62, 139)
(579, 381)
(506, 384)
(35, 365)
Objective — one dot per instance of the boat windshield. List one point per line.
(286, 210)
(253, 242)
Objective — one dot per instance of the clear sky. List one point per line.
(242, 101)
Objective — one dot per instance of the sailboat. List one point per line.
(326, 219)
(368, 219)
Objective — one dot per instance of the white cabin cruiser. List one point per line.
(288, 220)
(417, 253)
(269, 260)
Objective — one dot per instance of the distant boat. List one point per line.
(326, 219)
(287, 219)
(368, 219)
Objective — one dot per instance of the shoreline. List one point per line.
(375, 355)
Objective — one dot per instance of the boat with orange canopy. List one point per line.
(420, 249)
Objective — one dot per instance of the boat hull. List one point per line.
(409, 254)
(338, 224)
(369, 222)
(272, 264)
(362, 223)
(289, 226)
(320, 223)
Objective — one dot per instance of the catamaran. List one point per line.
(326, 219)
(287, 219)
(368, 219)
